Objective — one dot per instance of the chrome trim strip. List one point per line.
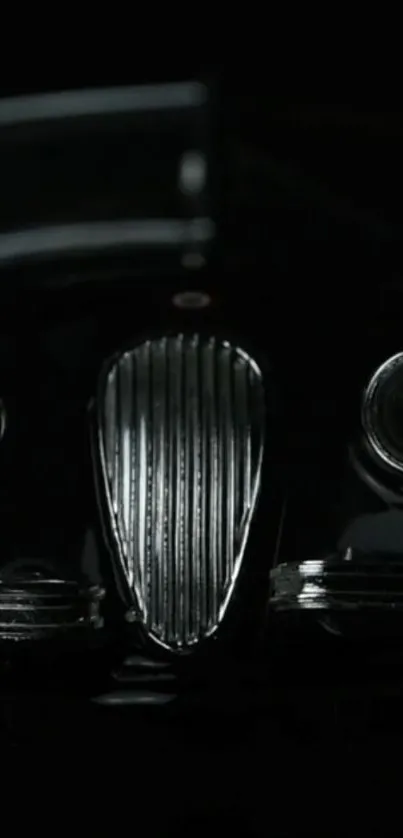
(340, 583)
(34, 607)
(68, 239)
(101, 102)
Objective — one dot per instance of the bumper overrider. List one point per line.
(38, 604)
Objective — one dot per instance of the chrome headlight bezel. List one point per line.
(372, 402)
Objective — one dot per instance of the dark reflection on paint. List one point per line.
(369, 533)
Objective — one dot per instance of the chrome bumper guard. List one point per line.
(34, 608)
(347, 583)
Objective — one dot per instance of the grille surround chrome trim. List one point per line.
(132, 590)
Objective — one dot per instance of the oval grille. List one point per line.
(181, 431)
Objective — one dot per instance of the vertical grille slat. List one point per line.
(212, 569)
(204, 493)
(171, 495)
(195, 544)
(181, 424)
(230, 468)
(125, 396)
(142, 418)
(160, 424)
(178, 484)
(188, 442)
(132, 557)
(157, 424)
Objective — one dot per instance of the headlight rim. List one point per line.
(371, 401)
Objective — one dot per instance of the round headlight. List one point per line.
(382, 412)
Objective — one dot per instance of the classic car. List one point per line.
(201, 388)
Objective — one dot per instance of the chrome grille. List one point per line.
(181, 433)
